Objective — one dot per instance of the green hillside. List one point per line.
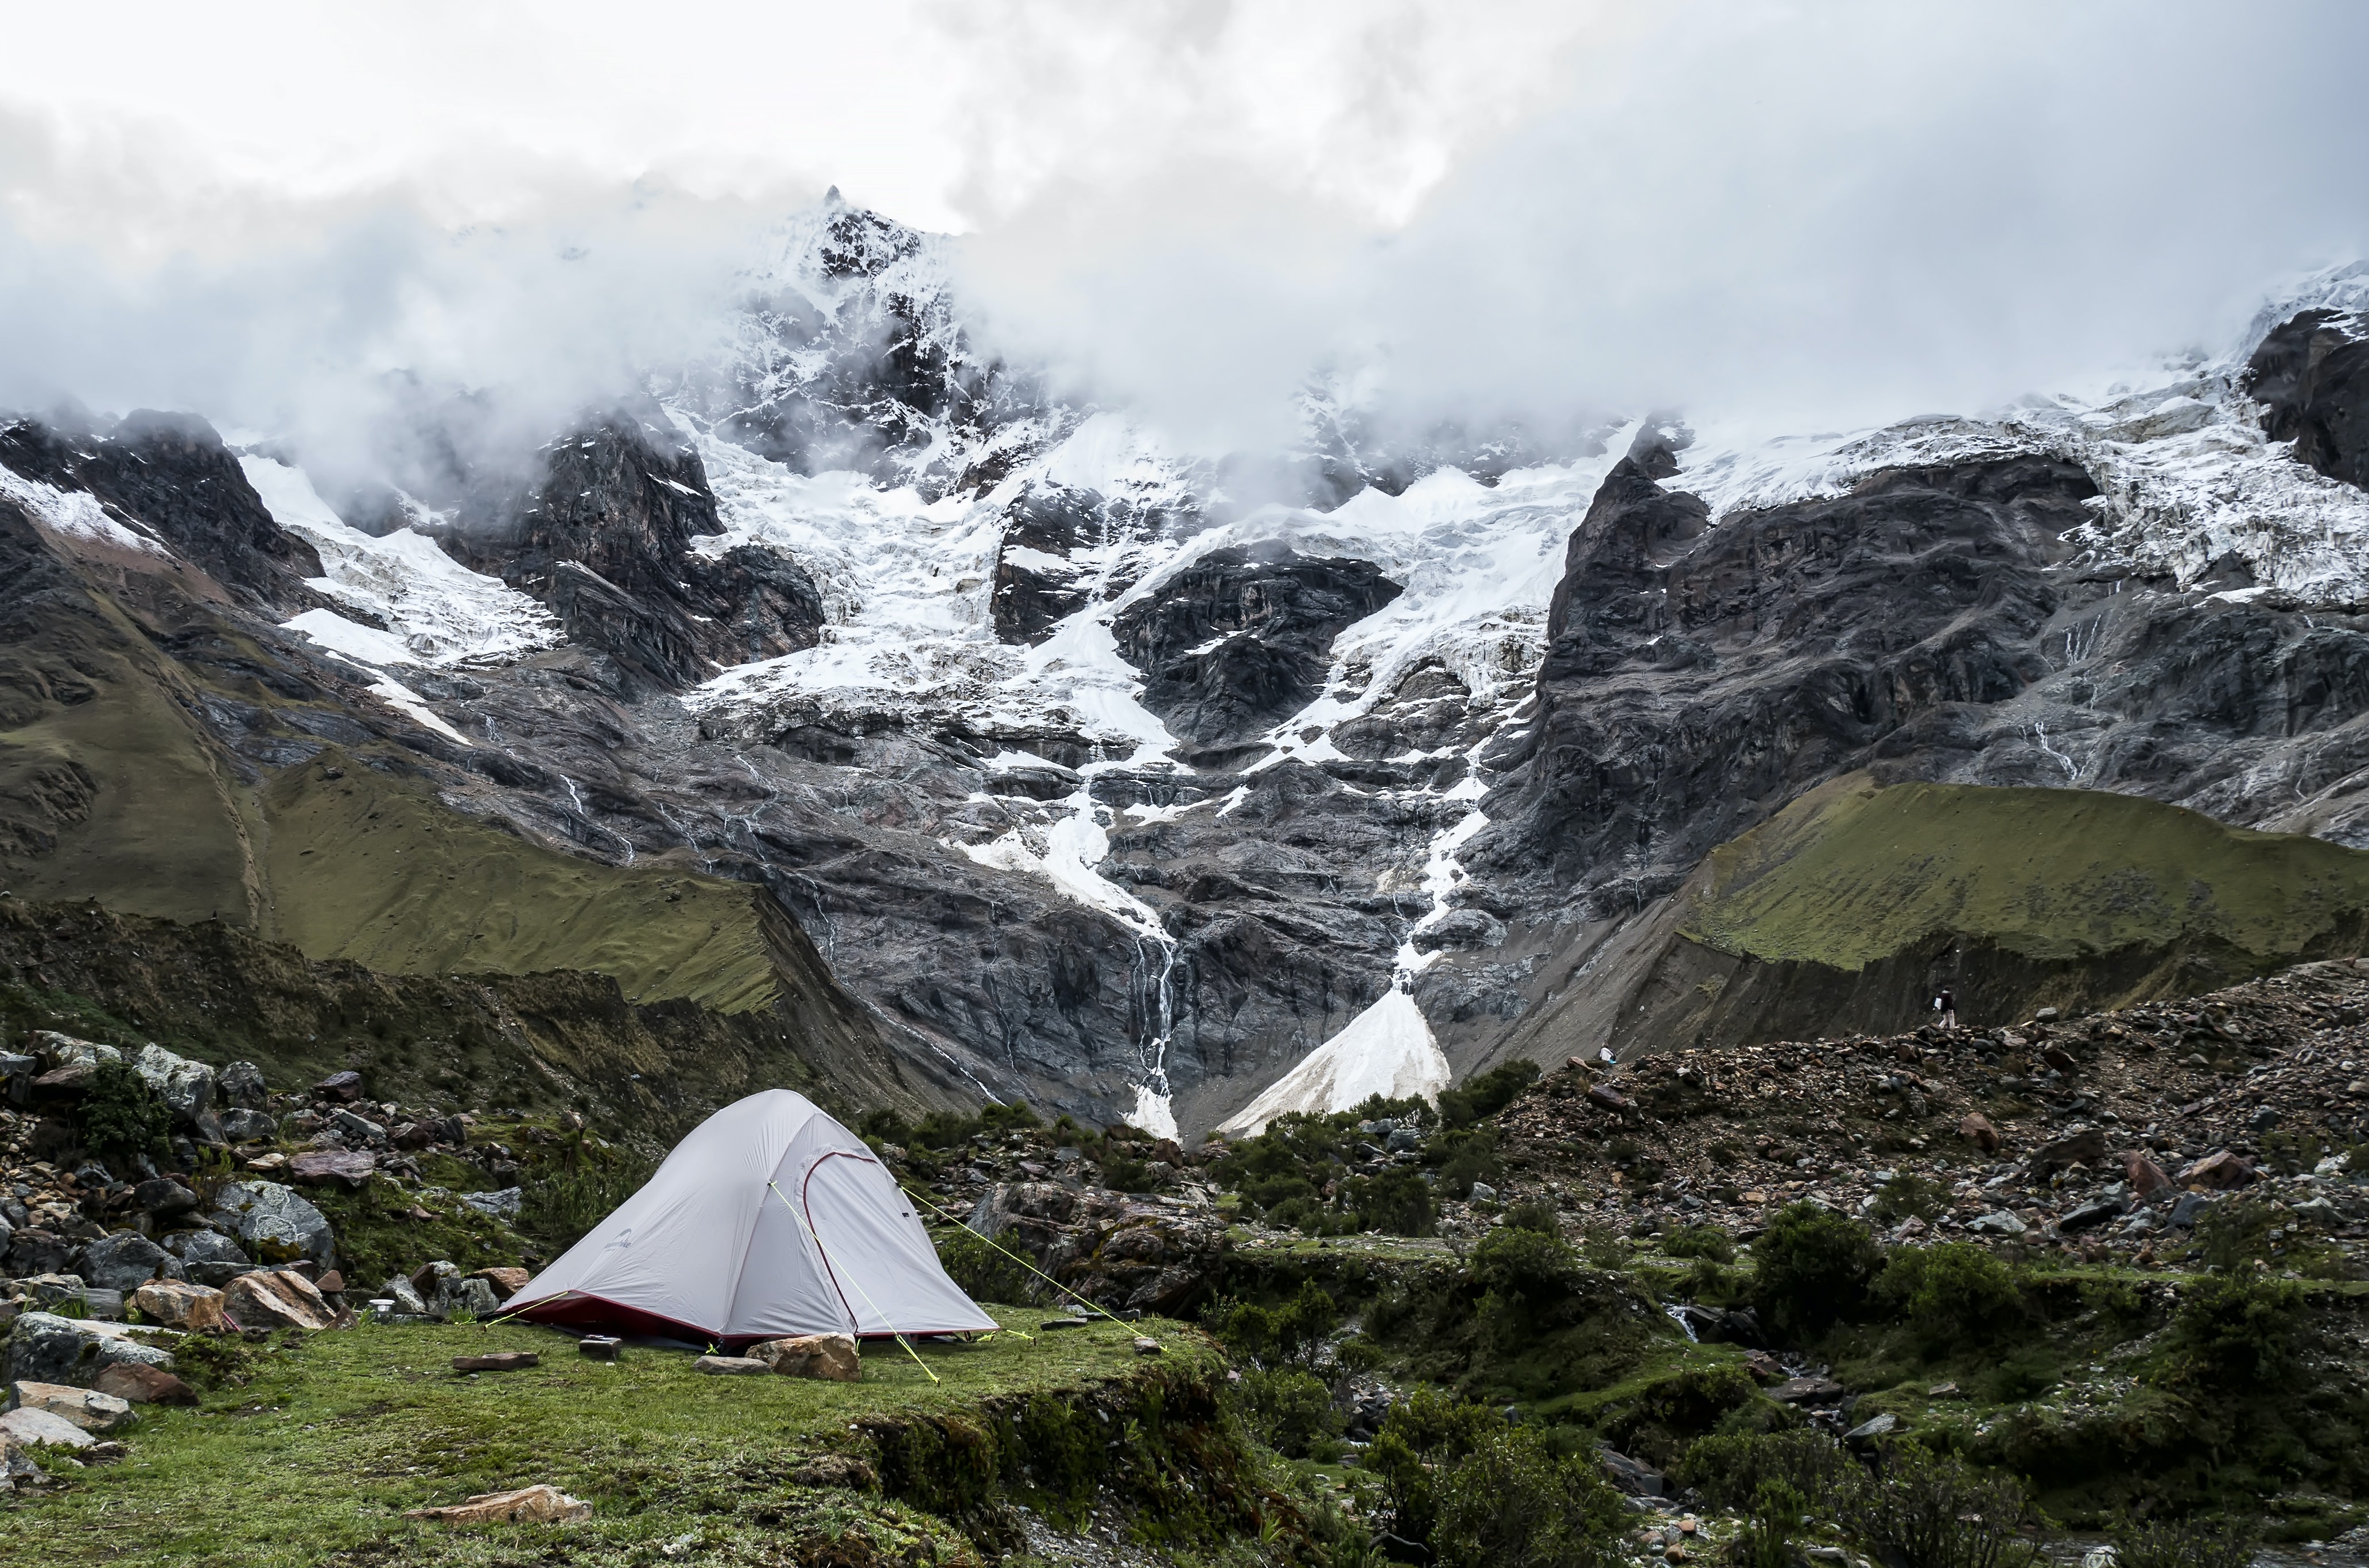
(1852, 874)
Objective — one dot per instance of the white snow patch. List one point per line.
(364, 645)
(437, 611)
(1388, 1050)
(73, 512)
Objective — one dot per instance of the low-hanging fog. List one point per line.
(1796, 215)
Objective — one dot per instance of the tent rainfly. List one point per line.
(770, 1219)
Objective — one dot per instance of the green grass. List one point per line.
(1851, 873)
(375, 869)
(323, 1450)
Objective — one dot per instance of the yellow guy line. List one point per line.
(858, 1283)
(1018, 1259)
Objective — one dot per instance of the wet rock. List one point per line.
(1632, 1476)
(1807, 1391)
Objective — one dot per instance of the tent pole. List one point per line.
(1017, 1258)
(805, 1224)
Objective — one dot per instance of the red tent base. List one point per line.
(591, 1314)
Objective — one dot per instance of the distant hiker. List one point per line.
(1946, 1004)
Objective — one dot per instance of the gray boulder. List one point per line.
(241, 1087)
(275, 1222)
(186, 1086)
(242, 1126)
(503, 1205)
(126, 1261)
(475, 1297)
(208, 1257)
(46, 1348)
(63, 1050)
(164, 1197)
(33, 1250)
(406, 1299)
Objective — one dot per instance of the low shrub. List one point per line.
(1290, 1411)
(1730, 1472)
(984, 1271)
(121, 1115)
(1920, 1511)
(1951, 1293)
(1474, 1491)
(1485, 1096)
(1812, 1267)
(2239, 1333)
(2202, 1542)
(1699, 1241)
(1771, 1526)
(1290, 1335)
(1910, 1196)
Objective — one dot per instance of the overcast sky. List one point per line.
(1806, 212)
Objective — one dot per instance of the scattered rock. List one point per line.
(2191, 1208)
(1998, 1223)
(833, 1356)
(1147, 1346)
(2081, 1146)
(38, 1428)
(1943, 1391)
(275, 1222)
(2090, 1215)
(241, 1086)
(731, 1367)
(502, 1204)
(2218, 1172)
(125, 1261)
(342, 1088)
(530, 1505)
(1807, 1391)
(277, 1298)
(836, 1470)
(506, 1282)
(499, 1361)
(1868, 1431)
(209, 1257)
(350, 1167)
(143, 1385)
(177, 1304)
(1977, 1128)
(406, 1297)
(86, 1408)
(1063, 1323)
(1632, 1476)
(599, 1346)
(240, 1125)
(1611, 1099)
(2145, 1177)
(164, 1197)
(186, 1086)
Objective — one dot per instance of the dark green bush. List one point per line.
(1731, 1470)
(984, 1271)
(1474, 1490)
(1290, 1335)
(2202, 1542)
(1919, 1511)
(1699, 1241)
(1484, 1096)
(1811, 1267)
(1534, 1215)
(1770, 1526)
(2239, 1333)
(1288, 1411)
(1953, 1292)
(1462, 1157)
(1513, 1503)
(1909, 1194)
(121, 1115)
(559, 1206)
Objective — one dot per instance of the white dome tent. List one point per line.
(768, 1219)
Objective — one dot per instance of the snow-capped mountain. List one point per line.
(1100, 791)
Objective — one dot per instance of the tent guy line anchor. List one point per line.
(808, 1226)
(1015, 1257)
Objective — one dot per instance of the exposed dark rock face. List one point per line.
(605, 540)
(171, 473)
(1242, 638)
(2311, 375)
(1923, 625)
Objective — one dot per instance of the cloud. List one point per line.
(1802, 214)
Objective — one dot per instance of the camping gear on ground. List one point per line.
(770, 1219)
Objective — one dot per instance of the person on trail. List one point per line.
(1946, 1004)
